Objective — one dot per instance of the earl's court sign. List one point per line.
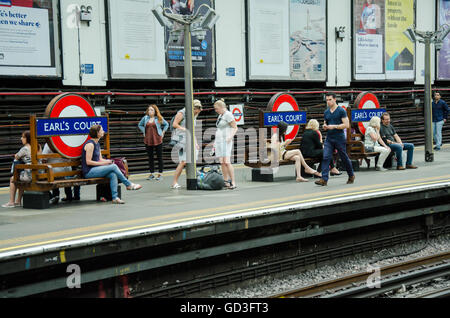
(284, 107)
(66, 124)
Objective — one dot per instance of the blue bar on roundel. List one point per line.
(364, 115)
(46, 127)
(291, 118)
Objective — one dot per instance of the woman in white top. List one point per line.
(374, 143)
(226, 129)
(278, 145)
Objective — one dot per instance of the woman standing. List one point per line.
(153, 126)
(226, 129)
(22, 157)
(311, 145)
(278, 146)
(94, 166)
(372, 141)
(179, 129)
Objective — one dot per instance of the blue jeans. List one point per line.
(328, 150)
(437, 133)
(399, 153)
(111, 172)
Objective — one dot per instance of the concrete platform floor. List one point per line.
(158, 205)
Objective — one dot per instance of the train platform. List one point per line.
(156, 207)
(157, 218)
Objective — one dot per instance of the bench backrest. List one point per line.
(75, 164)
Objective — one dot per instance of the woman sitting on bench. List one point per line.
(22, 157)
(94, 166)
(278, 145)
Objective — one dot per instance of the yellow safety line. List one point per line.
(196, 217)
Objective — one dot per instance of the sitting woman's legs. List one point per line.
(296, 155)
(113, 173)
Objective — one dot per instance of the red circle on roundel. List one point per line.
(366, 100)
(237, 111)
(285, 102)
(54, 110)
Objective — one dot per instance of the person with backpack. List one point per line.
(153, 126)
(178, 128)
(226, 129)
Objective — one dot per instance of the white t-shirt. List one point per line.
(223, 125)
(47, 151)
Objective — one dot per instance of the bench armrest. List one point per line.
(358, 144)
(37, 167)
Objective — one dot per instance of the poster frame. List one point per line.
(250, 78)
(353, 54)
(57, 51)
(438, 25)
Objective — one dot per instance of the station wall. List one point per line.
(94, 52)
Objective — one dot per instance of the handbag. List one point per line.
(122, 164)
(176, 138)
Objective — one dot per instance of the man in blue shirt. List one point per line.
(336, 121)
(440, 112)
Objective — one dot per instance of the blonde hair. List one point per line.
(221, 103)
(375, 122)
(312, 124)
(197, 104)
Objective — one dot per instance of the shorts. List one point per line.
(182, 154)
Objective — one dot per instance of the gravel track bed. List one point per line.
(267, 286)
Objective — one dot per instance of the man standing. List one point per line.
(336, 121)
(440, 112)
(390, 138)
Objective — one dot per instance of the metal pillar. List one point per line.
(429, 156)
(191, 173)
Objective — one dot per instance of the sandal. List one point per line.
(8, 205)
(314, 173)
(227, 183)
(301, 180)
(118, 201)
(134, 186)
(175, 186)
(231, 187)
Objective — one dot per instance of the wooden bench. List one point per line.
(44, 178)
(261, 167)
(355, 146)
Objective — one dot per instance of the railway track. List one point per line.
(391, 278)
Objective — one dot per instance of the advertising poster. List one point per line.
(381, 50)
(27, 38)
(307, 40)
(136, 39)
(444, 53)
(369, 38)
(399, 49)
(203, 65)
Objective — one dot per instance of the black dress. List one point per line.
(311, 147)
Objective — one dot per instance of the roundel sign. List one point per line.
(366, 101)
(285, 103)
(67, 123)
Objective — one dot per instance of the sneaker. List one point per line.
(381, 169)
(54, 200)
(151, 177)
(175, 186)
(159, 177)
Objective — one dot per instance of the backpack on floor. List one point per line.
(210, 178)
